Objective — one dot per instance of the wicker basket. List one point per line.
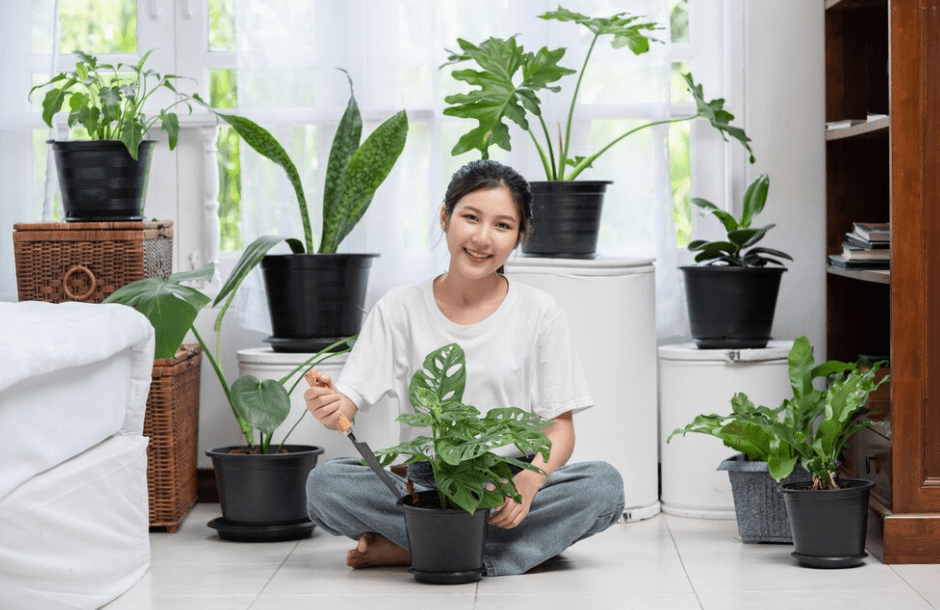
(172, 423)
(87, 261)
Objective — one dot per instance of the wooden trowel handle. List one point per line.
(313, 378)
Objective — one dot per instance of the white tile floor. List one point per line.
(664, 563)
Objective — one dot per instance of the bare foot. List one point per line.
(375, 550)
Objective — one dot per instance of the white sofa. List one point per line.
(74, 379)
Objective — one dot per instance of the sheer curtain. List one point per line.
(287, 55)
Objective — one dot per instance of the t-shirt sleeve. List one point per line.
(561, 384)
(368, 373)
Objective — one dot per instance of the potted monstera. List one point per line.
(447, 525)
(316, 296)
(104, 177)
(508, 82)
(732, 292)
(262, 483)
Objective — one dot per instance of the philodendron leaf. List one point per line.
(444, 374)
(263, 404)
(368, 167)
(719, 118)
(170, 306)
(503, 94)
(250, 258)
(622, 26)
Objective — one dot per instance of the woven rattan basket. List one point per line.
(87, 261)
(172, 423)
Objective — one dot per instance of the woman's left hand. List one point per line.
(511, 513)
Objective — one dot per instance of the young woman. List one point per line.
(518, 353)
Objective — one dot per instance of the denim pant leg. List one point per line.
(346, 498)
(577, 500)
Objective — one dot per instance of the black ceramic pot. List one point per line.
(315, 299)
(829, 526)
(566, 217)
(446, 544)
(100, 181)
(731, 307)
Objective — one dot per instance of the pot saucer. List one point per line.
(302, 345)
(447, 578)
(239, 532)
(811, 561)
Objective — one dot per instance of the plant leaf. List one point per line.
(170, 306)
(622, 26)
(248, 261)
(345, 143)
(263, 404)
(368, 167)
(755, 196)
(715, 113)
(444, 375)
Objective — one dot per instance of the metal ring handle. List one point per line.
(68, 275)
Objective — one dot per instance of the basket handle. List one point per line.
(68, 275)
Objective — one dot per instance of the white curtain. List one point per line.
(287, 55)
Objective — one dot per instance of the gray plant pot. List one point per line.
(758, 501)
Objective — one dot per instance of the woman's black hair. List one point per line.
(489, 174)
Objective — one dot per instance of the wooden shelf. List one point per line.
(879, 276)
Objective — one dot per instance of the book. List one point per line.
(872, 231)
(862, 254)
(837, 260)
(843, 124)
(853, 240)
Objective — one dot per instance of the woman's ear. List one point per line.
(443, 219)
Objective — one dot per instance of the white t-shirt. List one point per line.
(519, 356)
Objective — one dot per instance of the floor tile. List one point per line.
(815, 599)
(182, 602)
(592, 601)
(924, 578)
(399, 601)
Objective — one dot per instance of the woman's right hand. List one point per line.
(326, 403)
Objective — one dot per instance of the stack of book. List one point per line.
(867, 246)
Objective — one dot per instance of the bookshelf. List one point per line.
(881, 58)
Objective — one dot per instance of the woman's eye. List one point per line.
(470, 217)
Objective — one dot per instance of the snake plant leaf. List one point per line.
(263, 404)
(503, 93)
(345, 143)
(715, 113)
(265, 144)
(622, 26)
(368, 167)
(170, 306)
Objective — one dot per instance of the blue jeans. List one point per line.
(577, 500)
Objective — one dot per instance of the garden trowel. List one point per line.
(313, 378)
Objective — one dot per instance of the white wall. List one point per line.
(784, 110)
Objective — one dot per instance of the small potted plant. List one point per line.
(261, 484)
(510, 81)
(732, 291)
(316, 296)
(104, 178)
(447, 526)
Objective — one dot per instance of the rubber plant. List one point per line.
(467, 472)
(510, 81)
(172, 306)
(354, 172)
(107, 100)
(738, 248)
(811, 427)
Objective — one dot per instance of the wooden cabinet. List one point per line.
(883, 58)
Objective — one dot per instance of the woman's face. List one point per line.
(481, 232)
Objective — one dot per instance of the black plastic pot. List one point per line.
(264, 497)
(828, 526)
(315, 299)
(566, 217)
(446, 544)
(731, 307)
(100, 181)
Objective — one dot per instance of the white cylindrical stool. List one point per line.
(694, 382)
(377, 427)
(610, 306)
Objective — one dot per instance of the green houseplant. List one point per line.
(107, 101)
(315, 296)
(470, 477)
(509, 83)
(262, 483)
(732, 292)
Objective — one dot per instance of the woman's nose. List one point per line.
(482, 235)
